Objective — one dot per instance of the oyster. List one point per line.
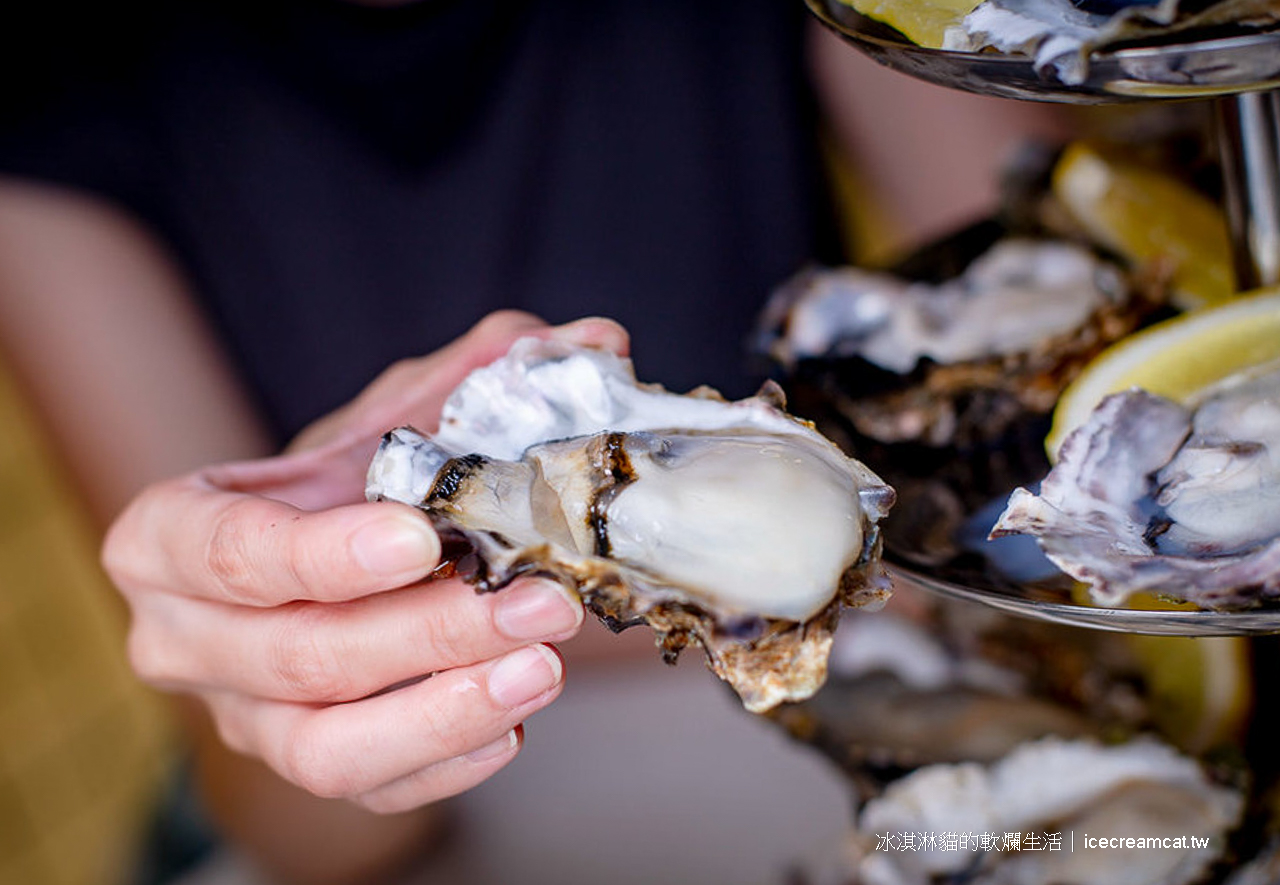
(962, 683)
(1010, 821)
(1061, 34)
(960, 360)
(729, 524)
(1263, 869)
(1179, 500)
(898, 698)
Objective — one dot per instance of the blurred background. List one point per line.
(85, 750)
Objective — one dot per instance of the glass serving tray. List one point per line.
(1156, 623)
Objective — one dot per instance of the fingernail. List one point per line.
(592, 332)
(537, 610)
(524, 675)
(402, 546)
(499, 748)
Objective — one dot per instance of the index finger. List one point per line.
(186, 536)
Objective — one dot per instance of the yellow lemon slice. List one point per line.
(1199, 689)
(1146, 216)
(1175, 358)
(924, 22)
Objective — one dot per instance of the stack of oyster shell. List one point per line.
(944, 372)
(986, 749)
(946, 387)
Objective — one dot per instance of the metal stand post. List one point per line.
(1249, 142)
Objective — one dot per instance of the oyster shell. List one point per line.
(1061, 34)
(729, 524)
(964, 684)
(1142, 789)
(1263, 869)
(1179, 500)
(961, 360)
(898, 699)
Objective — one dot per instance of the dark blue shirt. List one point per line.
(346, 185)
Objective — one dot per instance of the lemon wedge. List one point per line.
(1175, 358)
(1148, 216)
(1199, 689)
(924, 22)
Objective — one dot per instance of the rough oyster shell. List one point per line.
(899, 699)
(1178, 500)
(1060, 35)
(730, 524)
(1142, 789)
(959, 361)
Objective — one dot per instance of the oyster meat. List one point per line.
(1181, 500)
(959, 360)
(729, 524)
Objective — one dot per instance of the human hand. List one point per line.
(309, 624)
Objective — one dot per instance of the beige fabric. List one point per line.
(83, 746)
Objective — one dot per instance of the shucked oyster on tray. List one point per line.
(1182, 500)
(1060, 34)
(1200, 530)
(966, 731)
(1171, 818)
(959, 360)
(728, 524)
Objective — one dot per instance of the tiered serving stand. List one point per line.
(1241, 74)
